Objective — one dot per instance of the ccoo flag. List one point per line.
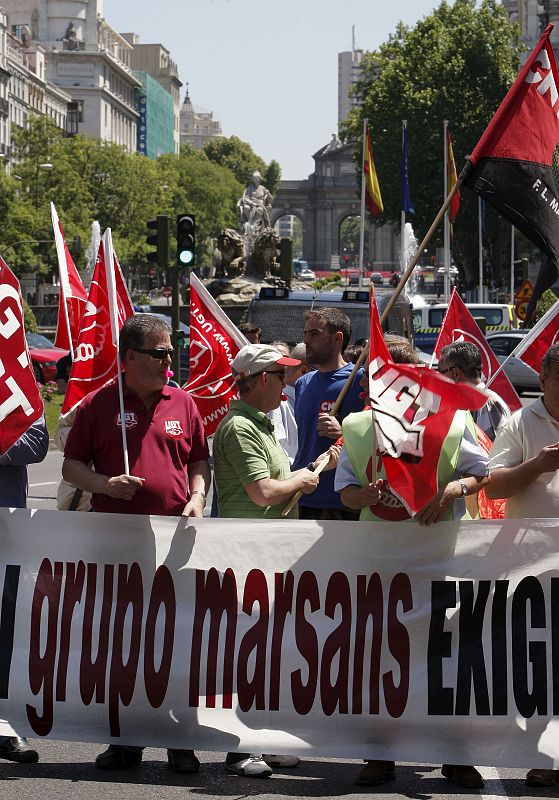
(373, 199)
(407, 205)
(516, 161)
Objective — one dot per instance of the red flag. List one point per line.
(20, 401)
(516, 161)
(459, 326)
(451, 180)
(72, 291)
(95, 357)
(373, 198)
(214, 343)
(414, 408)
(539, 339)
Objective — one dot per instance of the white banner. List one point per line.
(356, 640)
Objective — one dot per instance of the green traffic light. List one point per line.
(186, 257)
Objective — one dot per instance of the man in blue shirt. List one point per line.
(30, 448)
(327, 334)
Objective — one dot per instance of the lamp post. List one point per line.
(46, 166)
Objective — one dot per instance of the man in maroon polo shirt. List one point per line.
(167, 454)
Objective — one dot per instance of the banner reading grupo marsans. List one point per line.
(436, 644)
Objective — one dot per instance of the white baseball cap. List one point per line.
(254, 358)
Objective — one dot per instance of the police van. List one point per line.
(427, 321)
(279, 312)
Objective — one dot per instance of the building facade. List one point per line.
(349, 72)
(156, 60)
(85, 59)
(532, 16)
(197, 127)
(156, 120)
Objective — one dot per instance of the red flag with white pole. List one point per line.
(95, 361)
(73, 296)
(214, 343)
(20, 400)
(459, 326)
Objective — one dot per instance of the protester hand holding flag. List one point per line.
(73, 296)
(214, 343)
(459, 326)
(20, 400)
(95, 361)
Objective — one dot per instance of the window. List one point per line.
(503, 345)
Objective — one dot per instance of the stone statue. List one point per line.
(255, 205)
(70, 38)
(263, 260)
(231, 250)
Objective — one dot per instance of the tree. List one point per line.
(455, 64)
(239, 157)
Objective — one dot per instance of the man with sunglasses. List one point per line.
(167, 451)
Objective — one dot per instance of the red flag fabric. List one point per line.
(534, 345)
(214, 343)
(72, 290)
(20, 401)
(516, 161)
(414, 408)
(94, 362)
(459, 326)
(452, 177)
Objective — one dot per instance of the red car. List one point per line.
(44, 356)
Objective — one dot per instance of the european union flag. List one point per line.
(407, 204)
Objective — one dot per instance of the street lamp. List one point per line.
(46, 166)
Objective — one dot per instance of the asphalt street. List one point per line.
(67, 769)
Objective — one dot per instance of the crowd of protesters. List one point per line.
(280, 439)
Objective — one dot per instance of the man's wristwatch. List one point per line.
(464, 488)
(200, 492)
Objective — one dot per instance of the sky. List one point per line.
(269, 72)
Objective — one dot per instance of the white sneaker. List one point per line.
(281, 761)
(253, 767)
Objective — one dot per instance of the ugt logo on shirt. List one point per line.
(130, 420)
(173, 428)
(326, 406)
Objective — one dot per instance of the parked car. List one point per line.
(306, 275)
(44, 356)
(522, 377)
(377, 278)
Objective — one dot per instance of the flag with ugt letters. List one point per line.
(516, 161)
(20, 401)
(459, 326)
(413, 409)
(95, 355)
(214, 343)
(72, 292)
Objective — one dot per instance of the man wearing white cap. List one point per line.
(253, 477)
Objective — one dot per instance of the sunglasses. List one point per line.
(280, 372)
(158, 352)
(444, 371)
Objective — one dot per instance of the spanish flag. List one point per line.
(372, 189)
(451, 180)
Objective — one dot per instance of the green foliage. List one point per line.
(95, 180)
(272, 176)
(240, 158)
(455, 64)
(29, 320)
(546, 301)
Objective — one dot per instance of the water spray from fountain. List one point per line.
(409, 250)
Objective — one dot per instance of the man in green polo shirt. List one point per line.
(252, 476)
(252, 473)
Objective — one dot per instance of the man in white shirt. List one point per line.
(524, 470)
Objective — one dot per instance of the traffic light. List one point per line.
(159, 239)
(186, 240)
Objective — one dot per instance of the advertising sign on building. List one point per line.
(142, 140)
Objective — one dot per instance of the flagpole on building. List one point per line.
(403, 212)
(446, 219)
(480, 251)
(113, 314)
(362, 225)
(512, 264)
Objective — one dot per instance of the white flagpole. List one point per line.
(113, 312)
(480, 253)
(362, 226)
(403, 264)
(512, 264)
(62, 271)
(446, 219)
(527, 340)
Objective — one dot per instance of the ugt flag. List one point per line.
(214, 343)
(534, 345)
(414, 409)
(20, 401)
(516, 161)
(459, 326)
(73, 296)
(95, 356)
